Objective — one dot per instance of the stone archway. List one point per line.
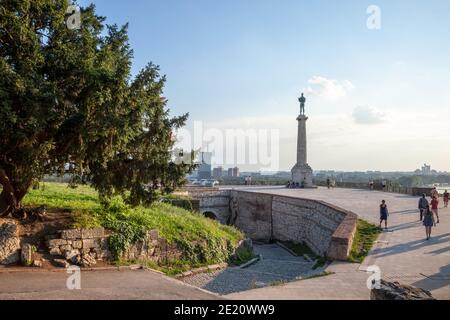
(210, 214)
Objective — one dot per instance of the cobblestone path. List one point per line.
(277, 266)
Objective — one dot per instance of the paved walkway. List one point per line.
(402, 253)
(105, 285)
(277, 266)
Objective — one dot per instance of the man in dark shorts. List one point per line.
(383, 213)
(423, 205)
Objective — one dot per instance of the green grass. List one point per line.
(61, 196)
(203, 241)
(320, 262)
(277, 283)
(366, 235)
(242, 256)
(299, 249)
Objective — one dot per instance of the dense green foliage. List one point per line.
(366, 235)
(203, 241)
(68, 104)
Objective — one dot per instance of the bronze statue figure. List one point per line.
(302, 101)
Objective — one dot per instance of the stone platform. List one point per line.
(402, 253)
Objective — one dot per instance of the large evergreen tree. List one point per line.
(68, 104)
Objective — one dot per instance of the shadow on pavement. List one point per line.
(410, 246)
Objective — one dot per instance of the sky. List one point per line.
(377, 83)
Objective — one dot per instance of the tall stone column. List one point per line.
(301, 140)
(302, 173)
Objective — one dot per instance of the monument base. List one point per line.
(303, 175)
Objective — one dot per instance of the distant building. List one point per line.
(204, 168)
(426, 170)
(217, 172)
(233, 172)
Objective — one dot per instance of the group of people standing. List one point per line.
(429, 210)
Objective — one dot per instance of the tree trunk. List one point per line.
(4, 206)
(8, 198)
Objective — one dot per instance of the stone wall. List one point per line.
(253, 214)
(217, 202)
(85, 247)
(80, 246)
(9, 244)
(153, 248)
(412, 191)
(313, 222)
(326, 229)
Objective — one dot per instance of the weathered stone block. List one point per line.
(70, 254)
(26, 254)
(88, 260)
(397, 291)
(77, 244)
(55, 251)
(9, 244)
(61, 263)
(71, 234)
(56, 243)
(65, 248)
(85, 250)
(90, 244)
(92, 233)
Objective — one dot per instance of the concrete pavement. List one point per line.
(402, 253)
(95, 285)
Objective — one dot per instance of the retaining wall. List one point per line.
(328, 230)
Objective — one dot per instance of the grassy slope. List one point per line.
(366, 235)
(178, 225)
(59, 195)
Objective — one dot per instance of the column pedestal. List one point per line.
(302, 173)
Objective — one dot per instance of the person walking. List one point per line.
(446, 197)
(434, 208)
(435, 194)
(423, 205)
(428, 221)
(328, 183)
(383, 213)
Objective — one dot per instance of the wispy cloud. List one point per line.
(328, 88)
(368, 115)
